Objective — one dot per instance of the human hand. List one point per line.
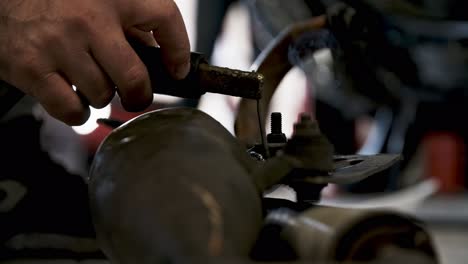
(48, 45)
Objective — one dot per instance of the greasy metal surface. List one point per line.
(347, 169)
(308, 152)
(171, 185)
(310, 146)
(174, 185)
(307, 159)
(328, 234)
(354, 168)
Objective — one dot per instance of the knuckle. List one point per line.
(41, 86)
(31, 68)
(30, 64)
(50, 38)
(79, 23)
(45, 36)
(134, 79)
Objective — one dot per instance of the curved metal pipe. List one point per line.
(273, 64)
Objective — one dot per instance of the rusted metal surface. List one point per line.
(310, 146)
(230, 82)
(307, 159)
(171, 185)
(174, 185)
(329, 234)
(202, 77)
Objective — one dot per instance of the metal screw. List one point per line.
(276, 123)
(276, 135)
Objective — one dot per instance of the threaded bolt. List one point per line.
(276, 123)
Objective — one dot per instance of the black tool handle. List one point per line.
(161, 80)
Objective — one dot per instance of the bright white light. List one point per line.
(289, 99)
(165, 99)
(189, 13)
(91, 124)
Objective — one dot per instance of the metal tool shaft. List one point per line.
(201, 79)
(230, 82)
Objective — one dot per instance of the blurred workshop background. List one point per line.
(432, 134)
(421, 112)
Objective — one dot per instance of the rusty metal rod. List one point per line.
(201, 79)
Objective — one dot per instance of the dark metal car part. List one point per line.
(174, 185)
(341, 235)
